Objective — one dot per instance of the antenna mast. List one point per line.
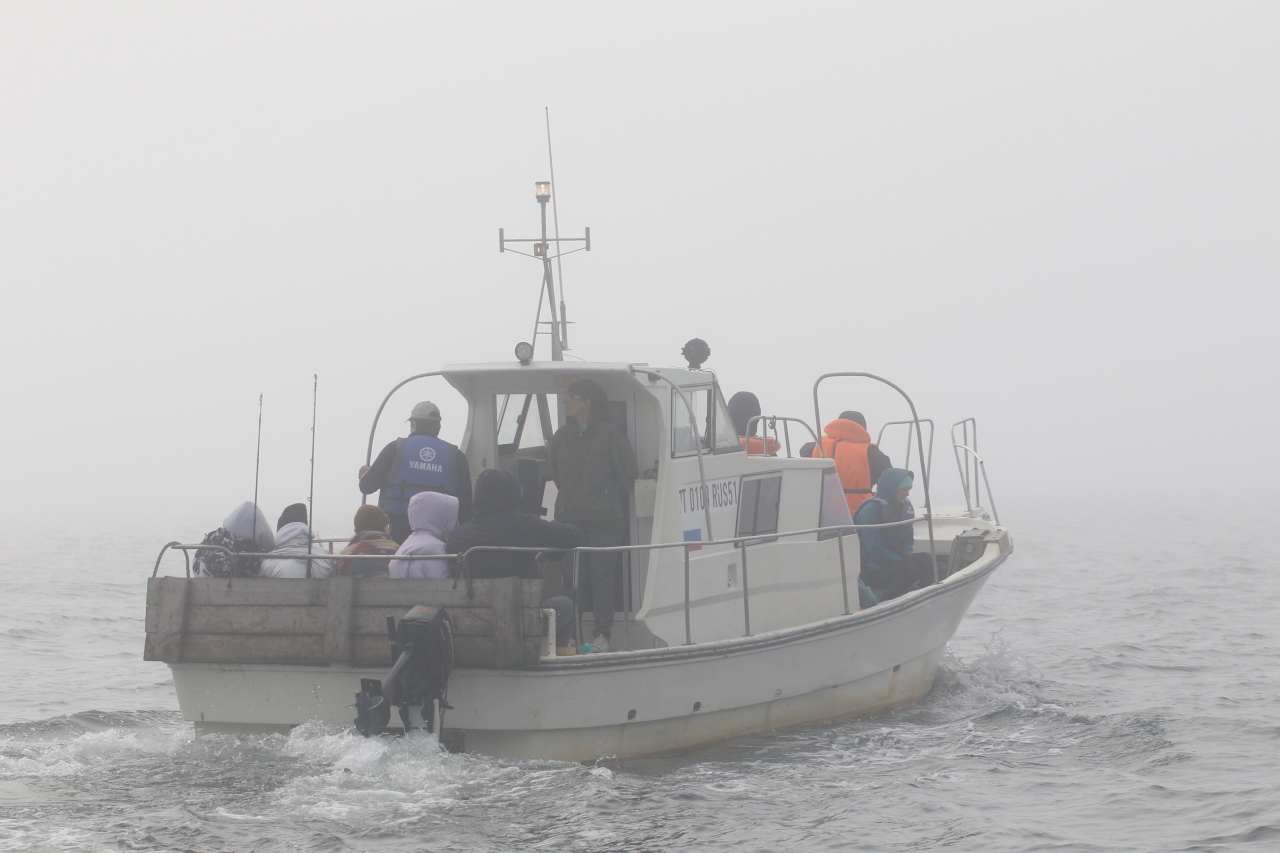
(558, 324)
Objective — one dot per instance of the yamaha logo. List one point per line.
(426, 454)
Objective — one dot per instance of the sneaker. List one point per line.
(601, 643)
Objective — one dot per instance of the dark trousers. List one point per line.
(602, 572)
(893, 579)
(565, 628)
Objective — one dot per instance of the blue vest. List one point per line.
(893, 539)
(424, 464)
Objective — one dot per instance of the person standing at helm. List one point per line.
(593, 467)
(422, 462)
(858, 462)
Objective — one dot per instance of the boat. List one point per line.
(738, 613)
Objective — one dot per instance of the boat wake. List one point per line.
(144, 780)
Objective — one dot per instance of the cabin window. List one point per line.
(712, 428)
(834, 508)
(759, 498)
(524, 421)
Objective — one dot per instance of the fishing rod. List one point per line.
(257, 466)
(311, 492)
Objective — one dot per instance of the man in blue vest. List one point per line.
(422, 462)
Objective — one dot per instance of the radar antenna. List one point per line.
(558, 325)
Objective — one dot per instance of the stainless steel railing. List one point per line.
(739, 542)
(771, 424)
(970, 465)
(927, 465)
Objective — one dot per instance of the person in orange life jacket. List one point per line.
(744, 406)
(593, 467)
(888, 564)
(423, 462)
(858, 462)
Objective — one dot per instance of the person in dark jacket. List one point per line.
(495, 521)
(593, 467)
(423, 462)
(743, 406)
(888, 562)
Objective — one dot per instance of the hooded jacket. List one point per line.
(888, 545)
(245, 529)
(433, 516)
(294, 538)
(495, 521)
(858, 462)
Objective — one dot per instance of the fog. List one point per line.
(1058, 219)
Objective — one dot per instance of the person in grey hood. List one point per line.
(295, 540)
(245, 529)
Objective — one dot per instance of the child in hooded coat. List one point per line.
(432, 516)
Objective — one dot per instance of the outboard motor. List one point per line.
(422, 658)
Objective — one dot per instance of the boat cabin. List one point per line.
(697, 483)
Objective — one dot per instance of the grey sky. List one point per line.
(1061, 219)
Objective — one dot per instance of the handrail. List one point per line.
(368, 456)
(964, 468)
(982, 467)
(737, 541)
(773, 426)
(912, 426)
(924, 472)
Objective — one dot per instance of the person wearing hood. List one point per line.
(888, 564)
(294, 537)
(744, 406)
(422, 462)
(433, 516)
(371, 539)
(245, 529)
(496, 521)
(858, 462)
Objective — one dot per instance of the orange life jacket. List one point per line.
(757, 446)
(847, 442)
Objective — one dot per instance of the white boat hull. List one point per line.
(634, 703)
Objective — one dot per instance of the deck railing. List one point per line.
(739, 542)
(970, 465)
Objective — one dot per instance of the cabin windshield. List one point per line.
(524, 421)
(714, 427)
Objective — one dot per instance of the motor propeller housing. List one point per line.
(422, 659)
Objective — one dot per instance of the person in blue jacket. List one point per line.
(888, 564)
(422, 462)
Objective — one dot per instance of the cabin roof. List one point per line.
(489, 372)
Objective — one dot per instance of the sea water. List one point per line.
(1112, 689)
